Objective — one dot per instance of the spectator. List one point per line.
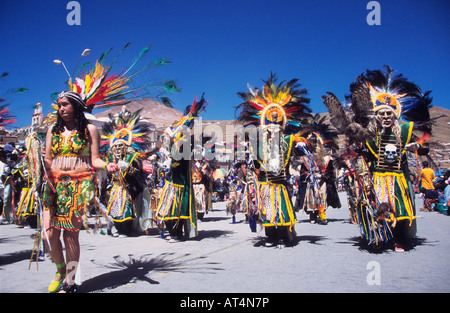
(427, 177)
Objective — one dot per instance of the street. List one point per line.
(229, 258)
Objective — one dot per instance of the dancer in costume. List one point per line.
(234, 192)
(176, 209)
(278, 111)
(72, 150)
(72, 153)
(10, 177)
(32, 171)
(250, 193)
(378, 100)
(7, 214)
(199, 181)
(317, 187)
(350, 182)
(126, 138)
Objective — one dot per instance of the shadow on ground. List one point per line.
(362, 245)
(135, 269)
(15, 257)
(312, 239)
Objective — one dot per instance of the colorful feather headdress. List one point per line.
(100, 88)
(187, 120)
(281, 105)
(372, 91)
(394, 92)
(6, 118)
(127, 128)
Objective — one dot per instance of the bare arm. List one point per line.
(48, 150)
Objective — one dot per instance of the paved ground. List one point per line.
(229, 258)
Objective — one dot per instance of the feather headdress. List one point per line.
(187, 120)
(393, 91)
(100, 88)
(320, 130)
(127, 128)
(372, 91)
(283, 105)
(6, 118)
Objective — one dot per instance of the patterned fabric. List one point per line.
(390, 184)
(120, 205)
(74, 195)
(26, 205)
(276, 207)
(170, 201)
(125, 190)
(392, 188)
(70, 152)
(72, 145)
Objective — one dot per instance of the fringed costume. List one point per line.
(278, 111)
(317, 179)
(31, 169)
(69, 195)
(378, 100)
(176, 209)
(250, 197)
(126, 139)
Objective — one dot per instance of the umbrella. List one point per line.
(219, 173)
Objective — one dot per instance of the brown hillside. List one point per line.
(154, 112)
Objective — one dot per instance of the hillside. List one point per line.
(154, 112)
(441, 129)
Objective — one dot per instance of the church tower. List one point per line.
(37, 115)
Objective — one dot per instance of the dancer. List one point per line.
(32, 172)
(199, 180)
(176, 209)
(126, 137)
(378, 100)
(278, 111)
(317, 188)
(72, 155)
(71, 151)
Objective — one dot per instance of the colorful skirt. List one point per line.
(177, 203)
(393, 189)
(120, 204)
(68, 196)
(169, 206)
(275, 205)
(27, 204)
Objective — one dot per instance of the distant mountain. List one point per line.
(441, 128)
(153, 111)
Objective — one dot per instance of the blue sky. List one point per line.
(219, 46)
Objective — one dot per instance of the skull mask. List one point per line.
(385, 118)
(390, 153)
(119, 150)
